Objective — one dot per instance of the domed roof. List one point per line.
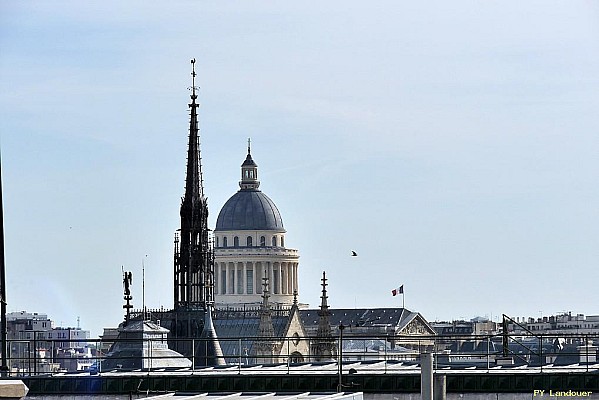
(249, 210)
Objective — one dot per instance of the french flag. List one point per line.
(397, 291)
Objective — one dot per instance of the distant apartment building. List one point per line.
(22, 325)
(37, 345)
(561, 324)
(476, 326)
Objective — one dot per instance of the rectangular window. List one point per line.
(239, 280)
(249, 278)
(223, 282)
(232, 281)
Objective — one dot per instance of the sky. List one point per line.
(452, 145)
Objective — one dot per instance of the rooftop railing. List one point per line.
(378, 353)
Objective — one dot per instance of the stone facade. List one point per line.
(250, 245)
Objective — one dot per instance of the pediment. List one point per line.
(417, 327)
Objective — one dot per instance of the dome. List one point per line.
(249, 210)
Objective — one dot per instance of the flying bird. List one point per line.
(354, 254)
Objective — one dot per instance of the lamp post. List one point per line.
(340, 385)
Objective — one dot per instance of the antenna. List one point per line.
(3, 328)
(143, 287)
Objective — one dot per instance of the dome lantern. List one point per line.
(249, 172)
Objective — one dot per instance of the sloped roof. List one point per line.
(367, 317)
(238, 333)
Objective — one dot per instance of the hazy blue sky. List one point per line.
(453, 145)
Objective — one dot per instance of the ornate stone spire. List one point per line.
(323, 346)
(324, 323)
(193, 252)
(265, 344)
(249, 172)
(266, 328)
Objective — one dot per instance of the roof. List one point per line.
(249, 209)
(238, 333)
(361, 317)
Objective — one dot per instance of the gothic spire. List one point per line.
(266, 328)
(323, 346)
(194, 185)
(193, 252)
(265, 345)
(324, 307)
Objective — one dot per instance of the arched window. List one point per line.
(274, 241)
(236, 241)
(248, 241)
(262, 241)
(225, 241)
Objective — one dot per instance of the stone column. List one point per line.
(289, 278)
(295, 282)
(227, 279)
(277, 278)
(223, 272)
(280, 278)
(283, 278)
(216, 274)
(233, 278)
(258, 271)
(231, 283)
(271, 277)
(245, 277)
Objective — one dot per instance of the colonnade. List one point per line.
(246, 277)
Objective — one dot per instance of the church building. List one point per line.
(236, 289)
(250, 245)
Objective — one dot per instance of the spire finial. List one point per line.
(323, 304)
(249, 145)
(193, 80)
(265, 293)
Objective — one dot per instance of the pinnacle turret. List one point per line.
(323, 346)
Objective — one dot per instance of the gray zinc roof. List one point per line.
(361, 317)
(237, 334)
(249, 210)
